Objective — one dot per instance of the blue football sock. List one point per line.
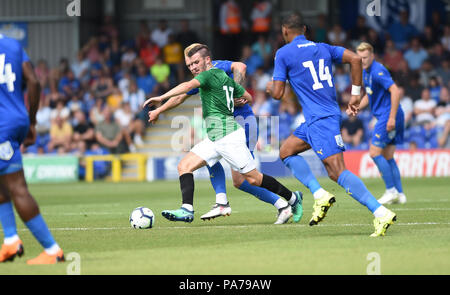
(385, 171)
(8, 220)
(40, 231)
(396, 175)
(217, 178)
(302, 172)
(357, 190)
(259, 192)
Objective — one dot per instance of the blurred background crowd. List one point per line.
(92, 104)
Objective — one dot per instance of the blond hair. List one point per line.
(364, 46)
(197, 47)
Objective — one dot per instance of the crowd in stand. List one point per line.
(92, 104)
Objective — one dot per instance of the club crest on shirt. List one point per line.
(6, 151)
(369, 90)
(339, 140)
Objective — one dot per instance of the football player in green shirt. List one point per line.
(226, 138)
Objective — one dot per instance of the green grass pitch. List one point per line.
(92, 220)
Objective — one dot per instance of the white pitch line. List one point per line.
(237, 226)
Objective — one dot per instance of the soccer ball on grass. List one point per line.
(142, 218)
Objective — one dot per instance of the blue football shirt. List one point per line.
(12, 105)
(307, 66)
(225, 65)
(377, 81)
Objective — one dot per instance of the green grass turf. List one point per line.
(92, 220)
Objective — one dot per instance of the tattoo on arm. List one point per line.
(239, 77)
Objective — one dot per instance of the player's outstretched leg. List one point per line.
(15, 186)
(222, 206)
(398, 181)
(357, 190)
(12, 245)
(256, 178)
(186, 168)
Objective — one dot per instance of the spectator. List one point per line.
(124, 82)
(444, 136)
(426, 73)
(135, 97)
(251, 59)
(149, 53)
(444, 73)
(407, 106)
(230, 22)
(392, 57)
(402, 31)
(445, 40)
(352, 131)
(143, 36)
(428, 38)
(160, 35)
(43, 125)
(320, 31)
(403, 75)
(103, 86)
(109, 134)
(186, 36)
(337, 36)
(436, 24)
(263, 49)
(43, 75)
(416, 55)
(414, 89)
(145, 81)
(435, 89)
(69, 85)
(60, 135)
(442, 111)
(261, 17)
(342, 79)
(360, 30)
(424, 108)
(128, 57)
(173, 56)
(438, 55)
(83, 133)
(114, 99)
(374, 38)
(80, 67)
(60, 110)
(161, 72)
(96, 112)
(115, 54)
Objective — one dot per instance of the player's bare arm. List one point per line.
(239, 70)
(275, 89)
(355, 61)
(183, 88)
(34, 90)
(395, 101)
(173, 102)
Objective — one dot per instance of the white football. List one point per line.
(142, 218)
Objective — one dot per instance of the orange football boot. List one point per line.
(45, 258)
(9, 252)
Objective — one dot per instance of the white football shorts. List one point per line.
(233, 148)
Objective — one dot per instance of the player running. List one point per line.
(226, 138)
(307, 66)
(243, 114)
(383, 96)
(17, 126)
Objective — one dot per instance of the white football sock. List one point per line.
(292, 199)
(380, 212)
(221, 199)
(188, 207)
(280, 203)
(319, 193)
(11, 240)
(53, 250)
